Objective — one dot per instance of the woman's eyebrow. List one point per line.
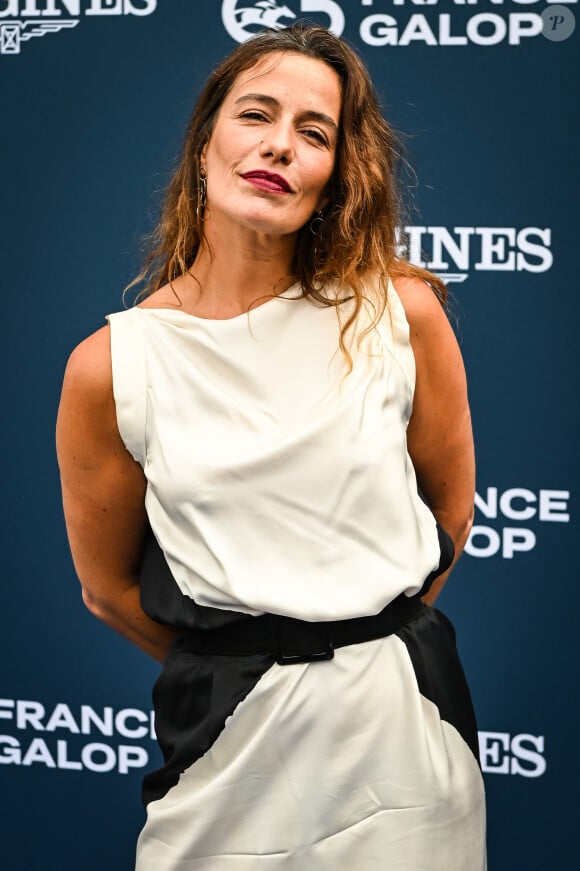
(257, 98)
(309, 114)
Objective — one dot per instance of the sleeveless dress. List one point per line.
(279, 482)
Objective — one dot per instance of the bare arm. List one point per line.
(103, 492)
(439, 436)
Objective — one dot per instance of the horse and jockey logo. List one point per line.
(243, 18)
(241, 23)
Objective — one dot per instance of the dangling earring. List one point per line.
(316, 223)
(202, 212)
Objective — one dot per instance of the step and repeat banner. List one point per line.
(95, 97)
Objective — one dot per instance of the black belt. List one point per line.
(290, 640)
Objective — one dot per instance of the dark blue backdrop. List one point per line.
(95, 94)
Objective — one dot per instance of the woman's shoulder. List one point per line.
(431, 335)
(90, 364)
(170, 296)
(421, 304)
(88, 371)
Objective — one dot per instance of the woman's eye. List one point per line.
(253, 115)
(316, 135)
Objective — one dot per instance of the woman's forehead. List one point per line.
(292, 73)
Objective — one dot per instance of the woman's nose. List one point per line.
(278, 144)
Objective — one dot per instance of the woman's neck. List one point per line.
(226, 281)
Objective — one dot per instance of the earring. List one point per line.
(316, 223)
(201, 211)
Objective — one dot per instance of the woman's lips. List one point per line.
(267, 181)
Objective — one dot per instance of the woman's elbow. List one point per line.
(463, 528)
(95, 604)
(457, 523)
(469, 520)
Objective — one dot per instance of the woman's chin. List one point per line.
(258, 223)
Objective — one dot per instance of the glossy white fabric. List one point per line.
(276, 482)
(333, 766)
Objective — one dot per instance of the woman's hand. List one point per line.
(103, 492)
(439, 437)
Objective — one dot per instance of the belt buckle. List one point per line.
(299, 641)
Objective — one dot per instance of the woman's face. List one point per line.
(272, 150)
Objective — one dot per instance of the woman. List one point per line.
(286, 408)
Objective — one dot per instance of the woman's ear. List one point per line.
(202, 156)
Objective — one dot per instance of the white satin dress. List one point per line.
(277, 482)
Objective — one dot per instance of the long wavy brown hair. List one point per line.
(358, 236)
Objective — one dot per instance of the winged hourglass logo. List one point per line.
(16, 32)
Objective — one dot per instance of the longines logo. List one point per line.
(453, 253)
(403, 25)
(23, 20)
